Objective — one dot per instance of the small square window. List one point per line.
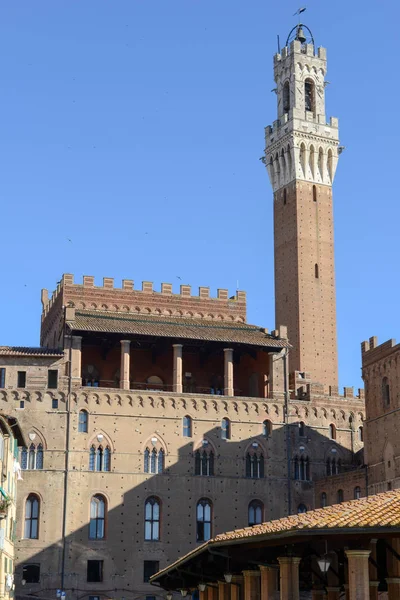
(54, 403)
(31, 573)
(150, 567)
(95, 571)
(52, 379)
(2, 377)
(21, 379)
(22, 403)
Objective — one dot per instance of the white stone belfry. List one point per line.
(301, 144)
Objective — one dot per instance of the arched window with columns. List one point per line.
(203, 520)
(99, 458)
(255, 462)
(98, 507)
(152, 519)
(256, 512)
(204, 460)
(32, 457)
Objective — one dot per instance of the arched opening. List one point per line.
(256, 512)
(267, 428)
(97, 517)
(154, 383)
(321, 163)
(286, 97)
(309, 95)
(323, 502)
(31, 528)
(332, 431)
(83, 421)
(385, 391)
(311, 160)
(316, 271)
(330, 164)
(360, 434)
(187, 426)
(203, 520)
(254, 464)
(225, 429)
(340, 496)
(289, 163)
(99, 458)
(302, 508)
(284, 196)
(314, 193)
(152, 519)
(303, 158)
(302, 429)
(357, 492)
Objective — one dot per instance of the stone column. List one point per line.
(177, 381)
(237, 583)
(228, 372)
(212, 591)
(269, 582)
(124, 378)
(251, 585)
(373, 572)
(393, 567)
(333, 593)
(223, 590)
(289, 577)
(76, 359)
(203, 595)
(393, 588)
(358, 574)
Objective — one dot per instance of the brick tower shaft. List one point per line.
(301, 158)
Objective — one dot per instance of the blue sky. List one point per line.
(134, 128)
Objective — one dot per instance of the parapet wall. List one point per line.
(371, 352)
(87, 295)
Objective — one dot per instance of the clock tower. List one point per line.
(301, 157)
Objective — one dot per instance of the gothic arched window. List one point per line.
(256, 510)
(302, 429)
(357, 492)
(323, 499)
(153, 461)
(254, 464)
(97, 517)
(286, 97)
(360, 434)
(309, 95)
(385, 391)
(99, 458)
(332, 431)
(187, 426)
(152, 519)
(83, 421)
(340, 496)
(267, 428)
(301, 468)
(204, 462)
(31, 529)
(33, 458)
(203, 520)
(302, 508)
(226, 429)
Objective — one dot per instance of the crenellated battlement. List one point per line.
(107, 297)
(371, 352)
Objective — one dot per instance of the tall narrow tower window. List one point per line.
(309, 95)
(316, 270)
(284, 196)
(286, 97)
(314, 193)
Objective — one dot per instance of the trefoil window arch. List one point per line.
(32, 457)
(99, 458)
(255, 463)
(204, 461)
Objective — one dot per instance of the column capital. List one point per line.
(373, 583)
(358, 553)
(177, 345)
(393, 580)
(268, 567)
(228, 349)
(127, 342)
(286, 560)
(252, 573)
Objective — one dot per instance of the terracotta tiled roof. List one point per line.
(374, 512)
(26, 351)
(175, 327)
